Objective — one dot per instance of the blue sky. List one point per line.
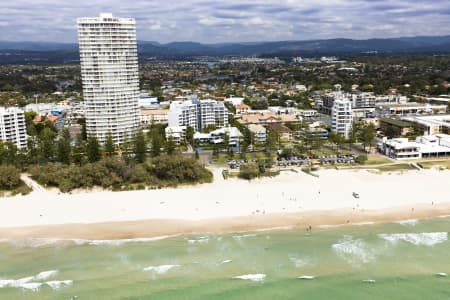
(212, 21)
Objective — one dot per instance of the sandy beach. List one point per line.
(291, 199)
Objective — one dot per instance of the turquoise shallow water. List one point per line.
(389, 261)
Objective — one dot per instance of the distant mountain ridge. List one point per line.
(419, 44)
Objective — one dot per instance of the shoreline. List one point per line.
(289, 200)
(156, 229)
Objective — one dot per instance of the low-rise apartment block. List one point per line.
(13, 127)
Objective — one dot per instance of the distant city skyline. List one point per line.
(214, 21)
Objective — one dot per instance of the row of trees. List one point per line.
(363, 133)
(46, 144)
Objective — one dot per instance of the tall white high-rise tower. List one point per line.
(109, 71)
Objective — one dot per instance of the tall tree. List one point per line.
(272, 140)
(140, 147)
(157, 143)
(367, 135)
(82, 122)
(79, 151)
(32, 150)
(110, 148)
(64, 148)
(190, 135)
(170, 146)
(93, 149)
(46, 144)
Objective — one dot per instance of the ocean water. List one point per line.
(406, 260)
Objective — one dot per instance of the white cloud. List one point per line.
(155, 26)
(232, 20)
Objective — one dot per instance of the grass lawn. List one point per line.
(395, 167)
(436, 164)
(377, 159)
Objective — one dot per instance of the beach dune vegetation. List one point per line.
(9, 177)
(114, 173)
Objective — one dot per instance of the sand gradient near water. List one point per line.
(289, 200)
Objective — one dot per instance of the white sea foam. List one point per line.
(5, 282)
(251, 277)
(42, 242)
(441, 274)
(227, 261)
(45, 275)
(306, 277)
(351, 249)
(161, 269)
(298, 262)
(33, 286)
(117, 242)
(411, 222)
(201, 240)
(369, 281)
(58, 284)
(243, 236)
(418, 239)
(32, 282)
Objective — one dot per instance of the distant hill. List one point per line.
(61, 52)
(37, 46)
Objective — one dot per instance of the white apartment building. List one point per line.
(217, 136)
(342, 117)
(109, 71)
(198, 114)
(177, 133)
(13, 127)
(430, 146)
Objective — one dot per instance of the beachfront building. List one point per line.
(12, 126)
(430, 125)
(259, 133)
(198, 114)
(312, 134)
(342, 117)
(109, 72)
(285, 134)
(430, 146)
(218, 136)
(154, 116)
(177, 133)
(394, 127)
(410, 108)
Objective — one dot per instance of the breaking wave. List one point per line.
(29, 283)
(201, 240)
(411, 222)
(161, 269)
(251, 277)
(350, 249)
(42, 242)
(58, 284)
(418, 239)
